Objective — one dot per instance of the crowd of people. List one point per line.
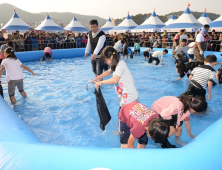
(32, 41)
(167, 114)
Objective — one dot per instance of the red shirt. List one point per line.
(136, 116)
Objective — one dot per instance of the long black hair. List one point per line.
(10, 53)
(181, 67)
(107, 53)
(198, 104)
(158, 130)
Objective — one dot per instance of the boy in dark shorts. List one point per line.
(136, 48)
(147, 52)
(125, 49)
(201, 77)
(135, 119)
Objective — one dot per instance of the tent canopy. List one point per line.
(125, 26)
(75, 26)
(16, 23)
(49, 25)
(153, 23)
(185, 21)
(108, 25)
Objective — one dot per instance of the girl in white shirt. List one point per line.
(14, 76)
(122, 77)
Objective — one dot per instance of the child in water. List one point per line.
(201, 77)
(186, 69)
(14, 76)
(122, 77)
(136, 48)
(147, 52)
(48, 52)
(174, 110)
(135, 119)
(157, 54)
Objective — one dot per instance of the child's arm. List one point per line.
(188, 127)
(1, 71)
(179, 78)
(219, 63)
(131, 141)
(98, 78)
(113, 80)
(28, 69)
(217, 76)
(210, 84)
(190, 77)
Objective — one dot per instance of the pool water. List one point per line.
(59, 109)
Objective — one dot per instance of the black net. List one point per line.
(102, 109)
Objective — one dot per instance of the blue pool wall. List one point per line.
(20, 149)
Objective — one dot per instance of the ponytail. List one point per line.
(10, 53)
(198, 104)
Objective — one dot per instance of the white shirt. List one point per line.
(183, 36)
(190, 51)
(99, 46)
(158, 54)
(118, 46)
(200, 38)
(125, 88)
(13, 69)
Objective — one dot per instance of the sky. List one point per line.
(116, 8)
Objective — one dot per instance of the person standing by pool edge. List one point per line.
(201, 44)
(96, 43)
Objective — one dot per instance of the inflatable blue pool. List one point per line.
(21, 149)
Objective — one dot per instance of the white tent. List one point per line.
(216, 24)
(171, 20)
(152, 24)
(185, 21)
(16, 23)
(75, 26)
(204, 19)
(125, 26)
(49, 25)
(108, 26)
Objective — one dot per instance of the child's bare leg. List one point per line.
(124, 146)
(141, 146)
(177, 135)
(139, 53)
(23, 94)
(127, 56)
(123, 57)
(50, 59)
(13, 100)
(46, 58)
(190, 60)
(172, 131)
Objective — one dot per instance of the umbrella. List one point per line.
(102, 109)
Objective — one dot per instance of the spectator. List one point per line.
(164, 41)
(21, 43)
(84, 41)
(2, 39)
(4, 46)
(34, 42)
(78, 41)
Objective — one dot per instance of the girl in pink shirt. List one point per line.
(175, 110)
(48, 52)
(14, 76)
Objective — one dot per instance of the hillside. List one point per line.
(7, 10)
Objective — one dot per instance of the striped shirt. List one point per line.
(125, 88)
(203, 74)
